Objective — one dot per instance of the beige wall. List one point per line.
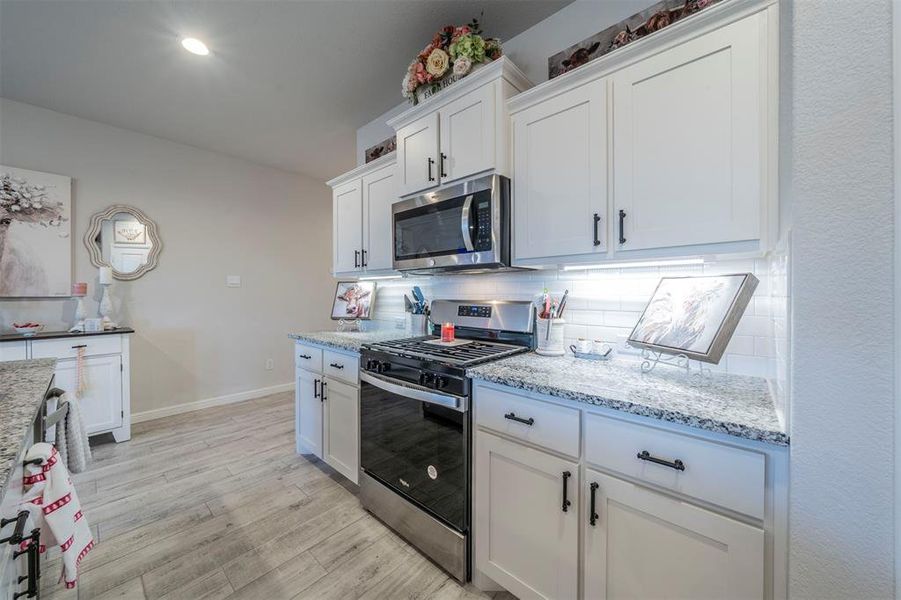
(196, 339)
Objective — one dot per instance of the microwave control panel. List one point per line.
(482, 240)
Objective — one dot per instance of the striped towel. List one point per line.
(51, 499)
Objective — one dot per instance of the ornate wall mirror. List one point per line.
(125, 239)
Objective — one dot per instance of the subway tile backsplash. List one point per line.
(606, 304)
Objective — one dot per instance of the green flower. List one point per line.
(468, 46)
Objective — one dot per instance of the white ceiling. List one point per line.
(287, 84)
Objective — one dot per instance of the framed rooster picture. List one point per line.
(354, 300)
(694, 316)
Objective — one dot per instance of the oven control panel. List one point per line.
(474, 310)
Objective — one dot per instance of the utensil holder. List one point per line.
(550, 342)
(419, 325)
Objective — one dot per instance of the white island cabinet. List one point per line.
(574, 500)
(104, 393)
(665, 148)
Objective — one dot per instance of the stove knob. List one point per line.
(382, 367)
(426, 379)
(370, 364)
(440, 382)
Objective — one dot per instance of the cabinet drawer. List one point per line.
(12, 350)
(723, 475)
(547, 425)
(68, 347)
(345, 367)
(308, 357)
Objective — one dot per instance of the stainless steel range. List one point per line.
(416, 427)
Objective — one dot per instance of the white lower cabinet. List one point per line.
(644, 544)
(527, 539)
(327, 410)
(101, 395)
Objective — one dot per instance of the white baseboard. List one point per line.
(159, 413)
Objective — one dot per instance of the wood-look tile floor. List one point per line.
(215, 504)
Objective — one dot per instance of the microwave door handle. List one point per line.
(466, 224)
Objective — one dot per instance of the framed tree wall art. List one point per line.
(35, 234)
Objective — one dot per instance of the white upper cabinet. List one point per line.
(417, 155)
(671, 141)
(347, 225)
(379, 193)
(467, 135)
(362, 222)
(688, 132)
(560, 175)
(643, 544)
(458, 132)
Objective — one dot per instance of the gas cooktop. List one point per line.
(459, 353)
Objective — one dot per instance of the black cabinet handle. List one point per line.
(336, 365)
(19, 520)
(34, 565)
(316, 393)
(566, 502)
(592, 514)
(431, 162)
(363, 261)
(622, 219)
(304, 356)
(597, 220)
(356, 258)
(79, 346)
(322, 391)
(676, 464)
(441, 158)
(33, 461)
(530, 421)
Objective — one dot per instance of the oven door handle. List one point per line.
(466, 224)
(457, 403)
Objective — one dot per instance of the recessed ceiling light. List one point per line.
(195, 46)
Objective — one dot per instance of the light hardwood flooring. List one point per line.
(216, 504)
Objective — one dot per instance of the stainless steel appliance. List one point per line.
(416, 426)
(463, 228)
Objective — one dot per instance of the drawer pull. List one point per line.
(336, 365)
(79, 346)
(304, 356)
(566, 502)
(593, 514)
(530, 421)
(676, 464)
(16, 538)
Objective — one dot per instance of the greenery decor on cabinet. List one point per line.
(453, 53)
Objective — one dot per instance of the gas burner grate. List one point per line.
(468, 354)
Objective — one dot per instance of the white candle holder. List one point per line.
(106, 308)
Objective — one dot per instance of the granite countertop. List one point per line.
(50, 335)
(23, 384)
(350, 340)
(732, 404)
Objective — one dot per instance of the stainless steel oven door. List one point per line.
(416, 442)
(463, 226)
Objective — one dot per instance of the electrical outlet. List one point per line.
(269, 364)
(233, 281)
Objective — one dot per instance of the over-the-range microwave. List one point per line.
(462, 228)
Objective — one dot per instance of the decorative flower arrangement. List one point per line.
(452, 54)
(28, 203)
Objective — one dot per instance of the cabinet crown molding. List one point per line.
(382, 161)
(502, 68)
(691, 27)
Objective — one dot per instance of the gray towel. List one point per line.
(72, 438)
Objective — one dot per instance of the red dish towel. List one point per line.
(51, 499)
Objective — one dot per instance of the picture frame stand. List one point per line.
(651, 358)
(345, 325)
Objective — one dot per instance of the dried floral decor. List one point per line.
(639, 25)
(35, 230)
(451, 55)
(379, 150)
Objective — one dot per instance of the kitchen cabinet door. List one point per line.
(308, 413)
(101, 396)
(468, 134)
(379, 193)
(347, 239)
(342, 428)
(560, 175)
(524, 539)
(417, 155)
(645, 544)
(689, 126)
(12, 350)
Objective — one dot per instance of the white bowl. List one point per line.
(28, 331)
